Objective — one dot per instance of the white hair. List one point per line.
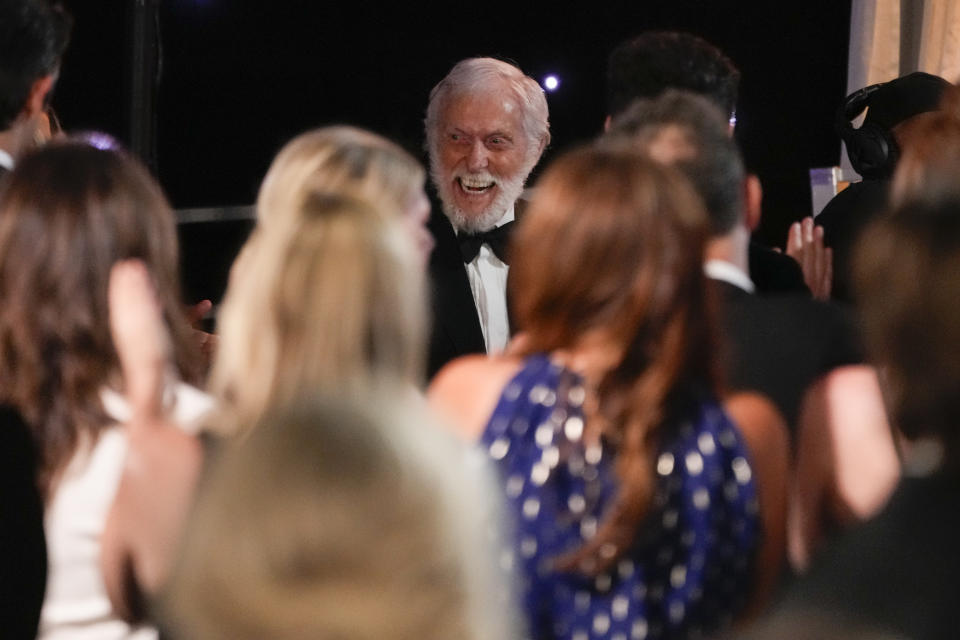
(474, 76)
(477, 75)
(511, 188)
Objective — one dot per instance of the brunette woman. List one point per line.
(68, 213)
(634, 496)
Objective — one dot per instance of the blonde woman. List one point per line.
(352, 162)
(334, 302)
(350, 519)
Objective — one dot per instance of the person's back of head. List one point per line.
(929, 165)
(609, 258)
(907, 277)
(649, 64)
(348, 518)
(331, 301)
(339, 159)
(33, 37)
(874, 147)
(574, 273)
(355, 163)
(68, 212)
(686, 131)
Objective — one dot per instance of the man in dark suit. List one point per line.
(647, 65)
(486, 127)
(798, 352)
(33, 37)
(778, 345)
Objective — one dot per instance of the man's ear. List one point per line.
(752, 201)
(37, 98)
(606, 124)
(543, 147)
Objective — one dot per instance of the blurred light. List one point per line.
(98, 140)
(551, 82)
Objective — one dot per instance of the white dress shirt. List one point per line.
(729, 273)
(488, 283)
(6, 160)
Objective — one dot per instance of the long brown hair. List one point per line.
(930, 157)
(67, 214)
(612, 245)
(906, 270)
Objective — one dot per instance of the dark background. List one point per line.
(241, 77)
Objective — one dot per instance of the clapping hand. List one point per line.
(805, 245)
(139, 337)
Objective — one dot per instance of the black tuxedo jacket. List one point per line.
(455, 328)
(779, 345)
(775, 273)
(843, 220)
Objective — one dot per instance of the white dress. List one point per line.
(76, 605)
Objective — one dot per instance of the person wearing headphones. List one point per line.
(873, 149)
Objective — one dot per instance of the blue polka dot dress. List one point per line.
(689, 571)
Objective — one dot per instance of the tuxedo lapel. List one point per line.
(456, 311)
(456, 326)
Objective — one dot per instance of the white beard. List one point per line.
(509, 190)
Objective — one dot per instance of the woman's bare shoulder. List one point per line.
(465, 392)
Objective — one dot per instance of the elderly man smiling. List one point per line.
(486, 126)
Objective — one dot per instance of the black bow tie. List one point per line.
(497, 239)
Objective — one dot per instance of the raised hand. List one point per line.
(139, 337)
(805, 245)
(162, 462)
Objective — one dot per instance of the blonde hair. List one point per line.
(339, 159)
(334, 301)
(341, 520)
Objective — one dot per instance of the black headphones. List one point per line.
(872, 149)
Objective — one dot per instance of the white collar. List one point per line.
(729, 273)
(6, 160)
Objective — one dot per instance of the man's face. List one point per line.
(481, 160)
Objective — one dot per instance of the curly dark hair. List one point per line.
(647, 65)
